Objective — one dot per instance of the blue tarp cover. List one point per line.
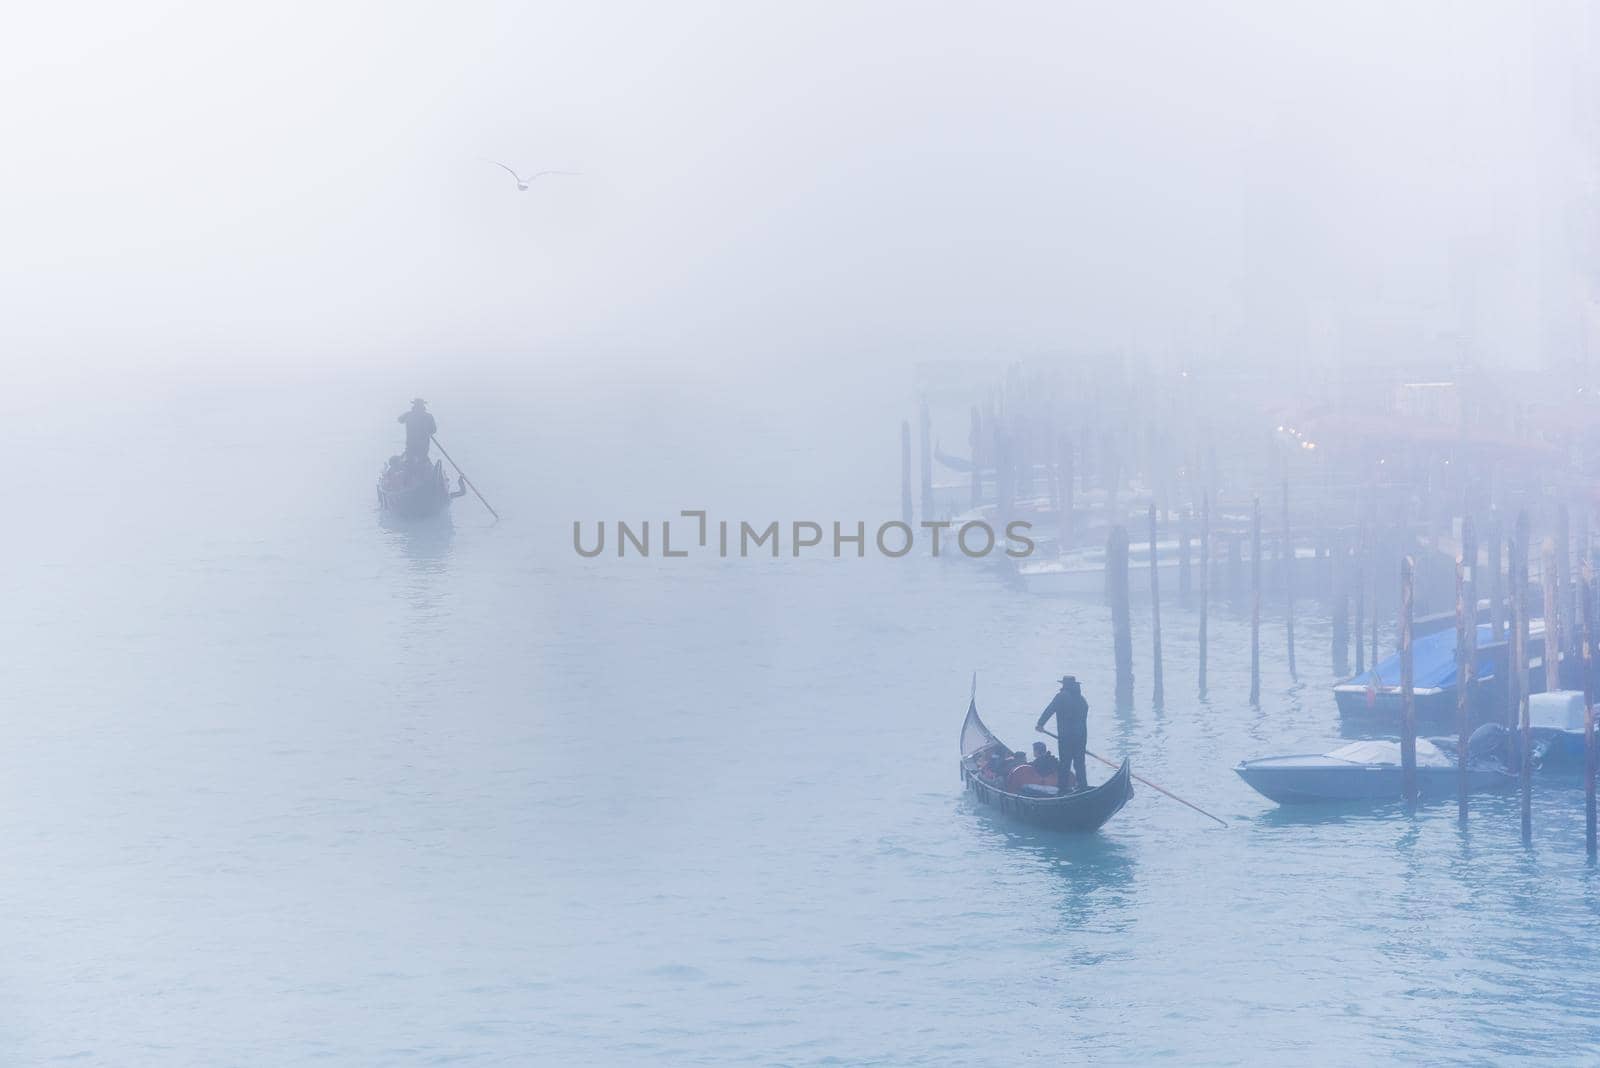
(1433, 662)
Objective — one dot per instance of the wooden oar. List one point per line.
(465, 479)
(1141, 778)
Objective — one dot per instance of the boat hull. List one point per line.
(1298, 785)
(1082, 811)
(418, 500)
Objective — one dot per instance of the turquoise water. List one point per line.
(284, 785)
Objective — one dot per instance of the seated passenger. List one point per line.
(1044, 761)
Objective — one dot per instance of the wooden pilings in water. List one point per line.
(1359, 579)
(1374, 570)
(1497, 591)
(1288, 579)
(1159, 699)
(1121, 623)
(1255, 604)
(1563, 580)
(1519, 643)
(905, 472)
(1552, 614)
(1587, 591)
(1338, 584)
(1205, 581)
(1466, 652)
(1408, 701)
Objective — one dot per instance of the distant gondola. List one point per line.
(1083, 810)
(955, 463)
(413, 490)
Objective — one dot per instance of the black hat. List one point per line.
(1069, 680)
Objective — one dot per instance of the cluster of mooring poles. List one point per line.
(1083, 453)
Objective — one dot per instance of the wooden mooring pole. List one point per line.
(1563, 579)
(1160, 699)
(1374, 570)
(1121, 624)
(1359, 580)
(1587, 593)
(1408, 704)
(1338, 582)
(1497, 590)
(1516, 679)
(1520, 613)
(1205, 581)
(1255, 604)
(905, 472)
(1552, 618)
(1466, 654)
(1288, 579)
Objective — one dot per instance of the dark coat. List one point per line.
(420, 429)
(1071, 713)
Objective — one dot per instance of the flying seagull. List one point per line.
(523, 183)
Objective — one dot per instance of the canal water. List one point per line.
(283, 784)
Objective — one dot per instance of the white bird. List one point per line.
(523, 183)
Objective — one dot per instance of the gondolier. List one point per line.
(420, 428)
(1071, 712)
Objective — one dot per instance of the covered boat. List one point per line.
(413, 490)
(1556, 729)
(1371, 771)
(1375, 694)
(1035, 802)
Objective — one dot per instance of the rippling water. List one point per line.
(285, 785)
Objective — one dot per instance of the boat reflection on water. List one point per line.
(425, 543)
(1326, 813)
(1095, 871)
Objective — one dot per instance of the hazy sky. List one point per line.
(288, 180)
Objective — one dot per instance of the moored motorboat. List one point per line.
(1556, 731)
(1375, 694)
(1371, 771)
(1035, 802)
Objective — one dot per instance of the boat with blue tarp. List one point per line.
(1375, 694)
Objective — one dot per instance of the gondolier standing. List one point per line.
(1072, 726)
(420, 429)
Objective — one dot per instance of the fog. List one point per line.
(1248, 183)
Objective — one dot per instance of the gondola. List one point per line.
(1082, 810)
(413, 491)
(955, 463)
